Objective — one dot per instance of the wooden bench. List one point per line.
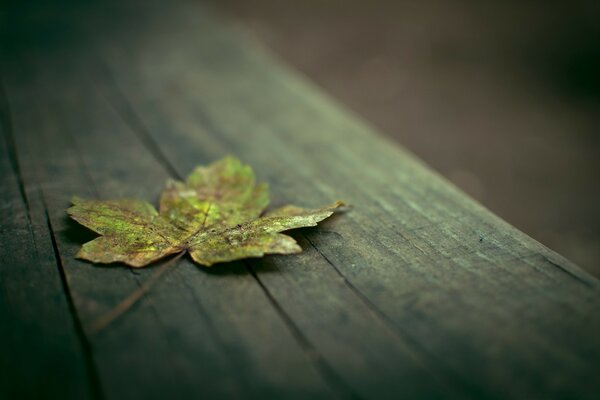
(417, 292)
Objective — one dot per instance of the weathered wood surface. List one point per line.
(417, 292)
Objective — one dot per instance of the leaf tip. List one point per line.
(340, 206)
(75, 200)
(80, 255)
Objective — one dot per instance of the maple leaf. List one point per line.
(216, 215)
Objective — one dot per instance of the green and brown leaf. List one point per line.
(216, 215)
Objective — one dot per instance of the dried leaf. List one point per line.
(215, 215)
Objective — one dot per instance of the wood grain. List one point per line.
(418, 291)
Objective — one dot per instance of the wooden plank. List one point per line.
(42, 351)
(491, 305)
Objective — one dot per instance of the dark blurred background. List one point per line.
(501, 97)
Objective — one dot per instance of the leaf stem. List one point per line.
(105, 320)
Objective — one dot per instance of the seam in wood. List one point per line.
(399, 332)
(122, 106)
(93, 376)
(334, 381)
(410, 242)
(7, 128)
(567, 272)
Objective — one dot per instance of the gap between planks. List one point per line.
(94, 376)
(8, 135)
